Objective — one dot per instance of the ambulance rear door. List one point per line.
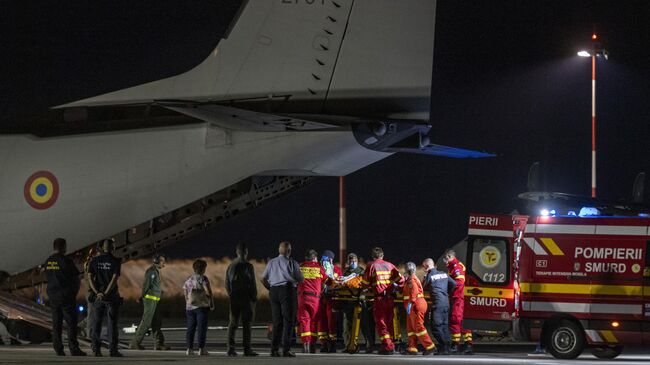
(646, 296)
(489, 293)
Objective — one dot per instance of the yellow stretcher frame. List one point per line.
(360, 297)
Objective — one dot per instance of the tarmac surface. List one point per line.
(486, 353)
(43, 354)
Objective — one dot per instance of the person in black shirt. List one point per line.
(103, 272)
(241, 287)
(62, 288)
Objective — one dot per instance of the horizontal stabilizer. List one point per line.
(245, 120)
(407, 137)
(444, 151)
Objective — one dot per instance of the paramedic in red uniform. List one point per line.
(416, 307)
(456, 271)
(309, 299)
(382, 276)
(328, 318)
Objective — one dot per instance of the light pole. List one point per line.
(596, 51)
(343, 242)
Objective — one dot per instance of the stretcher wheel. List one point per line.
(607, 352)
(353, 349)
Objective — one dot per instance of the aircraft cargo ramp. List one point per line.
(15, 307)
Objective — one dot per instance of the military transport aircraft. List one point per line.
(294, 88)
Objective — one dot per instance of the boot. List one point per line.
(469, 350)
(161, 347)
(250, 353)
(331, 346)
(324, 347)
(288, 354)
(442, 350)
(453, 350)
(77, 352)
(306, 348)
(387, 352)
(429, 351)
(135, 346)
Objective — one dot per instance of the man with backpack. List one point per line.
(242, 290)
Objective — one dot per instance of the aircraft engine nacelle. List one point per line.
(390, 135)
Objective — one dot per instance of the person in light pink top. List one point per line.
(198, 301)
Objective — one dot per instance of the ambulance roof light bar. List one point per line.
(545, 212)
(589, 212)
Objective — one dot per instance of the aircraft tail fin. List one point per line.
(321, 53)
(638, 189)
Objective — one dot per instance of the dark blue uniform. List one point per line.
(439, 284)
(62, 288)
(101, 269)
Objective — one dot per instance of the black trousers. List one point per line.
(241, 308)
(283, 310)
(111, 311)
(439, 321)
(67, 310)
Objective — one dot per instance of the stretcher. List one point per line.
(360, 298)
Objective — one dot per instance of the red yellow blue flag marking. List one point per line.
(41, 190)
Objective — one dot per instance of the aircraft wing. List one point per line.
(242, 119)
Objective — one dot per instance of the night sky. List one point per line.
(506, 80)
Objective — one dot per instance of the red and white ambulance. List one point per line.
(571, 281)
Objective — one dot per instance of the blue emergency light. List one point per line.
(589, 212)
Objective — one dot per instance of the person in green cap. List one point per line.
(151, 294)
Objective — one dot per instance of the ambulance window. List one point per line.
(489, 260)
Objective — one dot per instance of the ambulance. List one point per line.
(572, 274)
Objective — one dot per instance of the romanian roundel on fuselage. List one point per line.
(41, 190)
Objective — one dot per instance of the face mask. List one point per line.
(354, 265)
(327, 265)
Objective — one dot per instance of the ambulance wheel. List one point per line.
(607, 352)
(566, 340)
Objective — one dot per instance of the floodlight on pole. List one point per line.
(597, 51)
